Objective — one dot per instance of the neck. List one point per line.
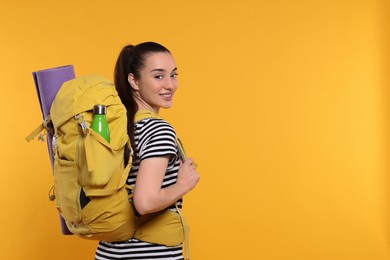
(142, 105)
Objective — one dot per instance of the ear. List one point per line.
(133, 81)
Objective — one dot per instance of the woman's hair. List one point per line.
(132, 60)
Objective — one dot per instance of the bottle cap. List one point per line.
(99, 109)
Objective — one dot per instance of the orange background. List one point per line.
(283, 104)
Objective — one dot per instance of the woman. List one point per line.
(146, 79)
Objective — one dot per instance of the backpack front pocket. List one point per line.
(107, 161)
(109, 218)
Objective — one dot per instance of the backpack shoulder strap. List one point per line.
(142, 114)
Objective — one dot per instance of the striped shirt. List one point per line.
(153, 138)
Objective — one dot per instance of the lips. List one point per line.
(166, 96)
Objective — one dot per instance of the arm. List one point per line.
(149, 197)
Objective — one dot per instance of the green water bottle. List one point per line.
(99, 122)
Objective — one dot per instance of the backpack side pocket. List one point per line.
(67, 189)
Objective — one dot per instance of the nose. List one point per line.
(171, 84)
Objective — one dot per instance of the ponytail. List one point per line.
(125, 91)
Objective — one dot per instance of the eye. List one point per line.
(174, 75)
(159, 76)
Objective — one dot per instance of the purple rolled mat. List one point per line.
(47, 83)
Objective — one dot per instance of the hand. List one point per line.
(187, 176)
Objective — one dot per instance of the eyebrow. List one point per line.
(161, 70)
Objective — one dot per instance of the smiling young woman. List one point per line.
(157, 82)
(146, 80)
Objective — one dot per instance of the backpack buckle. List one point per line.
(41, 137)
(82, 123)
(48, 125)
(54, 144)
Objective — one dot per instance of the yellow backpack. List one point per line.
(87, 167)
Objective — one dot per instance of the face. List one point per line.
(157, 82)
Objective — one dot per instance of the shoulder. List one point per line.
(152, 130)
(155, 138)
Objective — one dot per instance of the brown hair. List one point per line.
(132, 60)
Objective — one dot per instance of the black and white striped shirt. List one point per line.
(153, 138)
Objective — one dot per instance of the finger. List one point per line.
(189, 161)
(194, 165)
